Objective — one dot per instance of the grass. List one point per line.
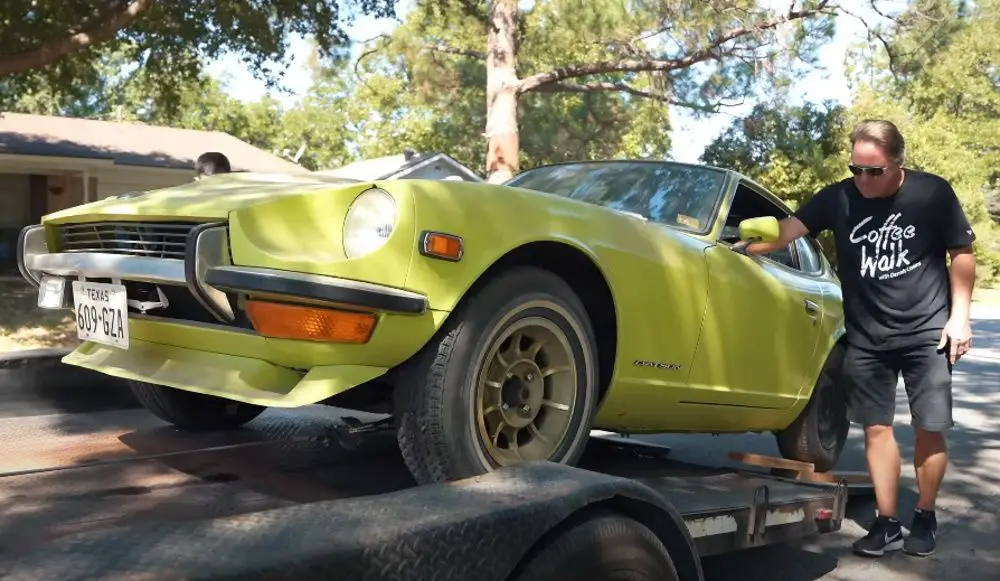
(25, 326)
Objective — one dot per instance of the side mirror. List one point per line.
(763, 229)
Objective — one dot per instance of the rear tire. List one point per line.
(193, 411)
(601, 546)
(819, 433)
(474, 391)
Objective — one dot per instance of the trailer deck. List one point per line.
(65, 475)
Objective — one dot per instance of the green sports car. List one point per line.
(495, 323)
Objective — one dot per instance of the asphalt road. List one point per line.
(254, 470)
(968, 508)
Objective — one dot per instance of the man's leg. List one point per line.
(871, 396)
(927, 375)
(884, 466)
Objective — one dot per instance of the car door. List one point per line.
(760, 331)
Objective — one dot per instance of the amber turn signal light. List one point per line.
(284, 321)
(441, 245)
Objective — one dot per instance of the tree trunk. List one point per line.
(502, 147)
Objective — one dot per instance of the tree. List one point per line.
(58, 44)
(691, 53)
(407, 91)
(199, 103)
(794, 150)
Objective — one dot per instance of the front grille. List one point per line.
(151, 239)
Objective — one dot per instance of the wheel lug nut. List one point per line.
(505, 406)
(530, 377)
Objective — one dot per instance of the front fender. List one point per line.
(495, 220)
(304, 233)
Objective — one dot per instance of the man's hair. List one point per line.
(883, 133)
(211, 163)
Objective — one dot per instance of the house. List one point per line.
(407, 165)
(50, 163)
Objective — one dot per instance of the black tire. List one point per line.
(435, 397)
(600, 546)
(193, 411)
(819, 433)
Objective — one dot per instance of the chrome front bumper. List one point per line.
(208, 273)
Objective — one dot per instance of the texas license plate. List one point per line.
(101, 313)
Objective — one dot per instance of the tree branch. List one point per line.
(438, 47)
(626, 88)
(458, 51)
(91, 35)
(872, 32)
(534, 82)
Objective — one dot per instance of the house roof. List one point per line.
(393, 166)
(129, 143)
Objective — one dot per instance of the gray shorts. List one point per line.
(872, 378)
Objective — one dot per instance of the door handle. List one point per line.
(811, 307)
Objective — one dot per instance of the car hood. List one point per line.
(210, 198)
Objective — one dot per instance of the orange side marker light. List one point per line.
(441, 245)
(284, 321)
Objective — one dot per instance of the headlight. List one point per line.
(369, 222)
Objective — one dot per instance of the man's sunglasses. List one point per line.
(872, 171)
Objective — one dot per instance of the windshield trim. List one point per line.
(723, 194)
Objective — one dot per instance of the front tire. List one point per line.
(819, 433)
(512, 377)
(193, 411)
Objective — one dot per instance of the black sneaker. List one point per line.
(921, 541)
(885, 535)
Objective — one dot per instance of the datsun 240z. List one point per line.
(495, 323)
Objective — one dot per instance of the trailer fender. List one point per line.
(660, 518)
(478, 528)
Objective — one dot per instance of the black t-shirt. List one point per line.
(891, 255)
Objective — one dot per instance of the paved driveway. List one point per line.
(969, 505)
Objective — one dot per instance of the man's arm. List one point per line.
(958, 331)
(813, 217)
(791, 230)
(958, 237)
(963, 280)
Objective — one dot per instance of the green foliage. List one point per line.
(795, 151)
(203, 103)
(169, 40)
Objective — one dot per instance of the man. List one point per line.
(905, 313)
(211, 163)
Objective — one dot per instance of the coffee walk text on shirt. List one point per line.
(892, 256)
(884, 252)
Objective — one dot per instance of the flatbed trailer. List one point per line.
(117, 495)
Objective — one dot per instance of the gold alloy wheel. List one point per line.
(526, 392)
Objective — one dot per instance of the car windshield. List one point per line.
(677, 195)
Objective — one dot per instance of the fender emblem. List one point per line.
(657, 364)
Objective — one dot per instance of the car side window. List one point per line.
(748, 203)
(809, 260)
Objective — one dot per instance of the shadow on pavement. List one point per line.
(36, 382)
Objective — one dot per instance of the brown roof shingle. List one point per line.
(130, 143)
